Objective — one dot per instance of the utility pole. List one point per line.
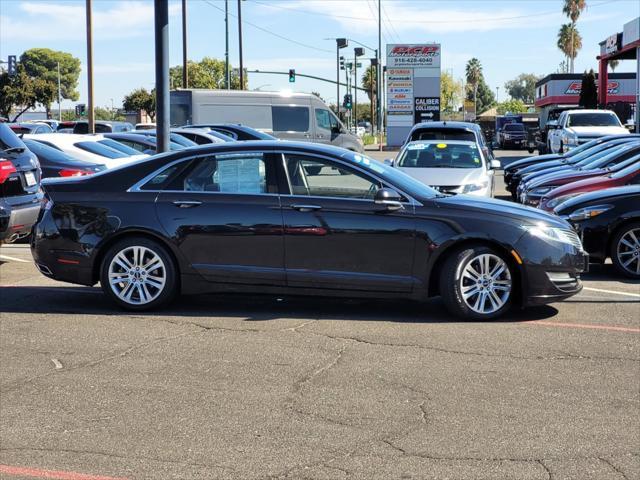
(240, 44)
(497, 94)
(379, 74)
(90, 117)
(185, 67)
(59, 96)
(161, 13)
(227, 72)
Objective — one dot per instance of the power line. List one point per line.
(395, 32)
(272, 33)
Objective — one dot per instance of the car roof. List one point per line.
(446, 124)
(452, 142)
(585, 110)
(65, 138)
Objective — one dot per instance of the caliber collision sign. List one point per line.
(413, 88)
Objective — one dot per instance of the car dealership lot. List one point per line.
(259, 387)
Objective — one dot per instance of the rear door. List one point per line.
(223, 213)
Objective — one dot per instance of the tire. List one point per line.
(456, 283)
(625, 250)
(141, 288)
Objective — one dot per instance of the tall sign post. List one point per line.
(161, 12)
(413, 88)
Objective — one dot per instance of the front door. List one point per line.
(223, 212)
(336, 237)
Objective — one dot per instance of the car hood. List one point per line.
(564, 177)
(592, 131)
(584, 185)
(598, 196)
(446, 176)
(501, 208)
(537, 159)
(541, 166)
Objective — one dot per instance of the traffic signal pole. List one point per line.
(161, 13)
(90, 117)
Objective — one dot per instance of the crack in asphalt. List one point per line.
(546, 468)
(615, 468)
(115, 455)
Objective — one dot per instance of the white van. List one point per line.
(296, 116)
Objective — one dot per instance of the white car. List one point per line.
(91, 148)
(576, 127)
(454, 166)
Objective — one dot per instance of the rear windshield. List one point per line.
(443, 134)
(8, 139)
(594, 119)
(440, 155)
(514, 127)
(47, 152)
(100, 149)
(119, 146)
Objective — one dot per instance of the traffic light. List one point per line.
(347, 101)
(12, 65)
(292, 75)
(341, 63)
(81, 110)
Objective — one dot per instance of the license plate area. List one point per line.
(30, 179)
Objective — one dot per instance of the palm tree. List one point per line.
(573, 9)
(613, 64)
(473, 73)
(569, 42)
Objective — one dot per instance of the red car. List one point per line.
(629, 175)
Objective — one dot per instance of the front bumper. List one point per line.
(551, 270)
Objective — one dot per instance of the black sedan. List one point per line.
(609, 224)
(249, 216)
(55, 163)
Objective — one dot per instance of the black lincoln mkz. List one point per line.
(284, 217)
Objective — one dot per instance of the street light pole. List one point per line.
(90, 118)
(59, 96)
(379, 74)
(185, 68)
(357, 52)
(240, 44)
(497, 94)
(161, 14)
(227, 73)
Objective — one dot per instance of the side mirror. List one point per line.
(388, 161)
(389, 198)
(495, 165)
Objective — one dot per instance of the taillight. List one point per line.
(6, 169)
(73, 172)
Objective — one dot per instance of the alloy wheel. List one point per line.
(628, 251)
(485, 283)
(137, 275)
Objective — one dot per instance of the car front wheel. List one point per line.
(625, 250)
(138, 274)
(476, 283)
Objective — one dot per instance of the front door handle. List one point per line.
(306, 208)
(187, 203)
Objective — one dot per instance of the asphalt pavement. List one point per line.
(218, 387)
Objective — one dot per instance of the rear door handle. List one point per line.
(187, 203)
(306, 208)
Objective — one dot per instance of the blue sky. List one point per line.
(509, 37)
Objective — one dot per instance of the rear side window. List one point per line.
(290, 119)
(118, 146)
(99, 149)
(443, 134)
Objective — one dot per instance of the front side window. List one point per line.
(290, 119)
(225, 173)
(317, 177)
(323, 119)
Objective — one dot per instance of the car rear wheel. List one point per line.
(625, 250)
(476, 283)
(138, 274)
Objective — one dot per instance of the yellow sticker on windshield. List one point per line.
(441, 145)
(476, 160)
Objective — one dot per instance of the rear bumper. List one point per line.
(17, 220)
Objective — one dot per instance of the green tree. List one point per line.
(588, 91)
(450, 93)
(569, 42)
(107, 114)
(207, 73)
(141, 99)
(613, 64)
(22, 92)
(473, 73)
(572, 9)
(485, 98)
(523, 87)
(368, 82)
(42, 64)
(511, 106)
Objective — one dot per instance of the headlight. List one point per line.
(558, 200)
(541, 190)
(473, 187)
(570, 139)
(507, 136)
(549, 234)
(588, 212)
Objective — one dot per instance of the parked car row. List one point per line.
(596, 187)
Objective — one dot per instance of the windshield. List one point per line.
(100, 149)
(595, 119)
(599, 150)
(440, 155)
(600, 156)
(119, 146)
(394, 176)
(443, 134)
(514, 127)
